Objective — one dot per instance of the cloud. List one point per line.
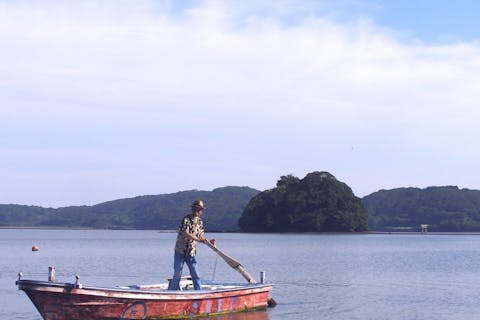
(145, 90)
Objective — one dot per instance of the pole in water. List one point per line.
(77, 282)
(51, 274)
(262, 277)
(270, 302)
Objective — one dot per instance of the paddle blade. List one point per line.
(232, 263)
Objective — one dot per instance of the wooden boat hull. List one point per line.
(64, 301)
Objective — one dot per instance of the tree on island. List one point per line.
(316, 203)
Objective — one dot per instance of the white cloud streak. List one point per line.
(157, 100)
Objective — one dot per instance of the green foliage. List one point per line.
(316, 203)
(24, 216)
(442, 208)
(163, 212)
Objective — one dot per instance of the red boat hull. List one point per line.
(62, 301)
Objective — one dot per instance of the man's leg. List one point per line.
(192, 266)
(178, 261)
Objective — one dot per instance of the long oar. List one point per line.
(232, 263)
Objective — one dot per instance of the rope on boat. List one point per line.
(214, 268)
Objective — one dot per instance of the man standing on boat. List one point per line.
(189, 233)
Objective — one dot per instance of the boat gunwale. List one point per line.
(150, 293)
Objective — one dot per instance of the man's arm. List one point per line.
(191, 236)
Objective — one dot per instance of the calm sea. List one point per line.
(315, 276)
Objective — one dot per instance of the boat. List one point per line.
(74, 301)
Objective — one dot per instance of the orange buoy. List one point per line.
(34, 247)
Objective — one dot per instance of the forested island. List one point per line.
(316, 203)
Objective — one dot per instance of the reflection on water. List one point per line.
(257, 315)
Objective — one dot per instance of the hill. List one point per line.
(316, 203)
(162, 212)
(442, 208)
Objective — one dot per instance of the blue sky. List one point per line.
(103, 100)
(428, 20)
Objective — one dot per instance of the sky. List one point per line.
(102, 100)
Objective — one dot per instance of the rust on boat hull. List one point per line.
(64, 301)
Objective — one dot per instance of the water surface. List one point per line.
(315, 276)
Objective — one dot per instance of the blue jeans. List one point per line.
(178, 261)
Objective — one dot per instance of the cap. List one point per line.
(198, 205)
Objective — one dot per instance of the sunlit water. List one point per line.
(315, 276)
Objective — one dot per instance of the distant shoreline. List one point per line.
(49, 228)
(426, 233)
(216, 231)
(78, 228)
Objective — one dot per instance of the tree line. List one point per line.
(316, 203)
(445, 208)
(161, 212)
